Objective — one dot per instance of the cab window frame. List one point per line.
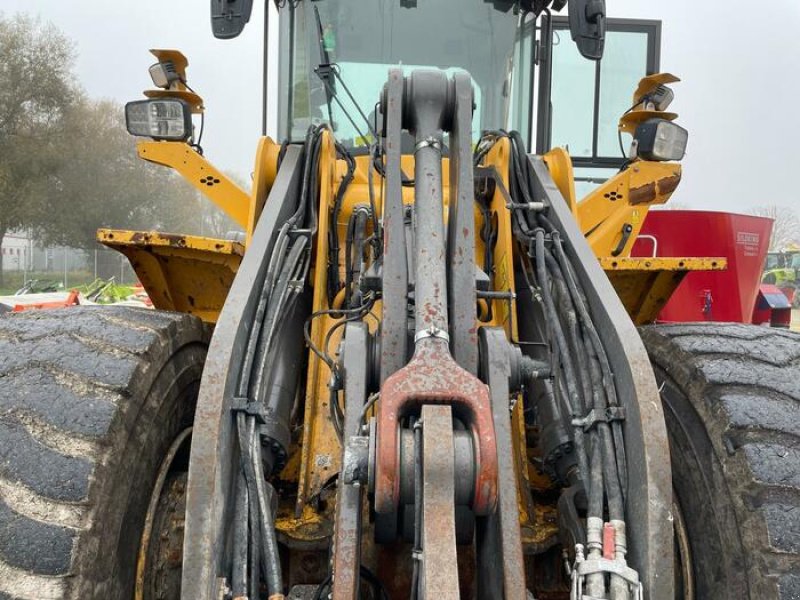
(553, 26)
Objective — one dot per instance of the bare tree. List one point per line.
(786, 225)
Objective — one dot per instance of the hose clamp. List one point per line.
(431, 332)
(429, 142)
(595, 416)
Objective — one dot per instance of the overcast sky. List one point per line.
(739, 66)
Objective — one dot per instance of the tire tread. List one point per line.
(744, 383)
(69, 384)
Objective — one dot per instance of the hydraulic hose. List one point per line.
(333, 232)
(270, 382)
(561, 342)
(261, 309)
(276, 307)
(602, 447)
(607, 380)
(271, 563)
(240, 533)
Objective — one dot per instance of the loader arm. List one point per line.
(420, 376)
(421, 381)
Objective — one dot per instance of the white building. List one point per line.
(17, 251)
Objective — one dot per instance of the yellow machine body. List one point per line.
(193, 275)
(644, 284)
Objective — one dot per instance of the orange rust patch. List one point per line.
(643, 194)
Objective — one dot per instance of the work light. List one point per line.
(660, 140)
(160, 119)
(660, 98)
(163, 74)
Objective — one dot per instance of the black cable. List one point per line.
(594, 493)
(348, 262)
(323, 587)
(289, 262)
(573, 333)
(271, 563)
(593, 382)
(307, 330)
(309, 191)
(240, 527)
(569, 324)
(276, 310)
(358, 313)
(567, 364)
(608, 459)
(299, 215)
(621, 146)
(377, 164)
(338, 414)
(335, 412)
(378, 589)
(258, 320)
(599, 349)
(197, 145)
(333, 229)
(245, 424)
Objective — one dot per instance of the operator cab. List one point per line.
(526, 75)
(335, 56)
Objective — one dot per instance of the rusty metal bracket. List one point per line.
(439, 561)
(347, 527)
(461, 287)
(501, 567)
(433, 377)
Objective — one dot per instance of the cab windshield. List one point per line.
(362, 40)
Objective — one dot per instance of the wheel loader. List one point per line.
(429, 368)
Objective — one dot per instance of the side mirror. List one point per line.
(228, 17)
(587, 24)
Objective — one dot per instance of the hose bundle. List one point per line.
(584, 386)
(255, 547)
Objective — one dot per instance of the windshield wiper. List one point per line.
(328, 73)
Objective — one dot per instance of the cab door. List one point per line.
(580, 101)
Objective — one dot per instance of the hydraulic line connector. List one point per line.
(606, 546)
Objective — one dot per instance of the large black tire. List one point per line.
(90, 400)
(731, 397)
